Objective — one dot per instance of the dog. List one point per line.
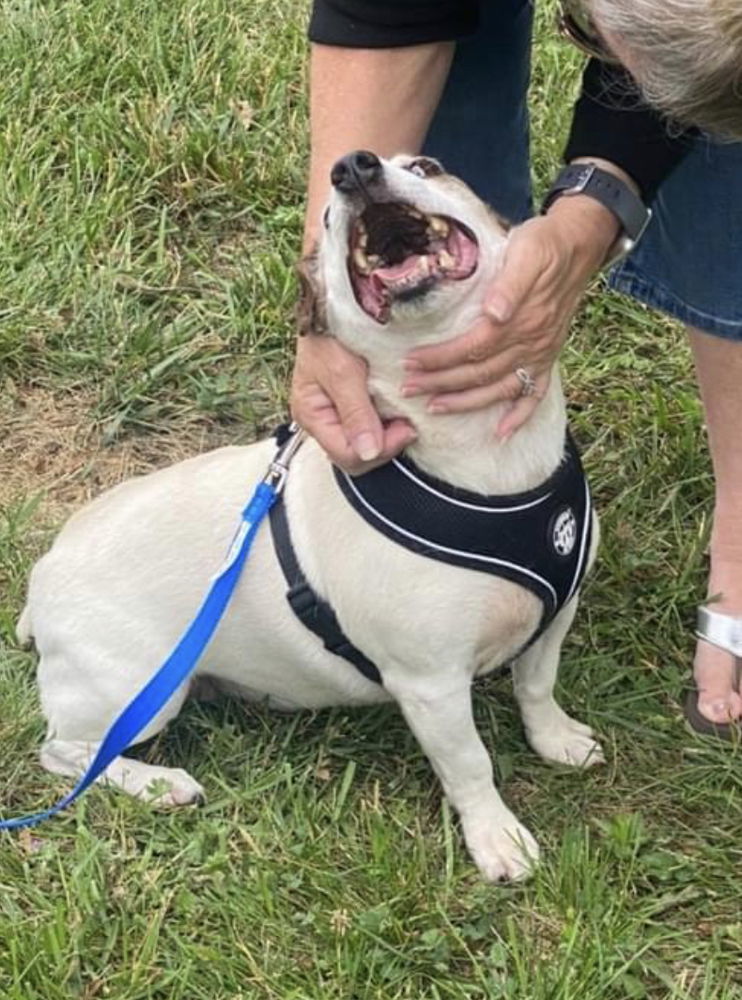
(405, 256)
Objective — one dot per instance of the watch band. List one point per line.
(613, 193)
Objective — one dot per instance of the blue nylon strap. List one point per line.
(178, 666)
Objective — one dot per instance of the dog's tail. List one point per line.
(24, 628)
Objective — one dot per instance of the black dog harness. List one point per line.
(539, 539)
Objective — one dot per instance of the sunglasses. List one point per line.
(575, 25)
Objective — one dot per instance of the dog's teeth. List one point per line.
(439, 226)
(421, 271)
(363, 239)
(361, 261)
(365, 263)
(415, 213)
(445, 260)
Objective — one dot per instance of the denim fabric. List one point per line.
(688, 263)
(480, 131)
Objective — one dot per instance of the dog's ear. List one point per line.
(311, 314)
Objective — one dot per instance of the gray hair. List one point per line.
(686, 56)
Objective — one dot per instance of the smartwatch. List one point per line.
(613, 193)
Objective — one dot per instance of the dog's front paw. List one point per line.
(503, 852)
(567, 741)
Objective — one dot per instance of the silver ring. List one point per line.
(527, 382)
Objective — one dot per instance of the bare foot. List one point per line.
(716, 671)
(717, 679)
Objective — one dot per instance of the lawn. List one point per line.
(152, 158)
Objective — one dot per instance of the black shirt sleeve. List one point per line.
(385, 24)
(612, 122)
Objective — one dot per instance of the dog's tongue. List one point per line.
(373, 291)
(394, 272)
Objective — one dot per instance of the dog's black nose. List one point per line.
(355, 171)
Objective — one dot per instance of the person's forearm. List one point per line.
(377, 99)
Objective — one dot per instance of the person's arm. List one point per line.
(370, 98)
(377, 70)
(613, 124)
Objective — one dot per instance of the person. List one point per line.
(449, 77)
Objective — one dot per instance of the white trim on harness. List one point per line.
(464, 503)
(586, 524)
(442, 548)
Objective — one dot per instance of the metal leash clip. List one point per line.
(278, 469)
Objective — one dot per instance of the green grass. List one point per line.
(151, 181)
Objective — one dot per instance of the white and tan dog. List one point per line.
(107, 603)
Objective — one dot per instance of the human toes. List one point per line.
(718, 699)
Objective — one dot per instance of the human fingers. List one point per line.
(518, 313)
(322, 422)
(525, 265)
(471, 363)
(398, 435)
(496, 376)
(329, 389)
(313, 409)
(523, 407)
(502, 390)
(521, 271)
(472, 347)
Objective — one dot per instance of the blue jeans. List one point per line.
(480, 130)
(688, 263)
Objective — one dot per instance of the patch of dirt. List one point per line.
(51, 447)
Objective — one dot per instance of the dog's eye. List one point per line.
(326, 218)
(425, 166)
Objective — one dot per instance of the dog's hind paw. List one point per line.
(502, 853)
(166, 790)
(164, 787)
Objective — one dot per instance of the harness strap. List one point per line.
(314, 613)
(539, 539)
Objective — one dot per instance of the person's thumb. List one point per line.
(360, 421)
(520, 271)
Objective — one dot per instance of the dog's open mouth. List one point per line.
(397, 254)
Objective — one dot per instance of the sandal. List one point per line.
(725, 632)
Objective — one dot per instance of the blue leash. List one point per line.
(183, 659)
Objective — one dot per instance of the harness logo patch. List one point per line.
(564, 532)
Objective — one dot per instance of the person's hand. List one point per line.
(527, 311)
(330, 400)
